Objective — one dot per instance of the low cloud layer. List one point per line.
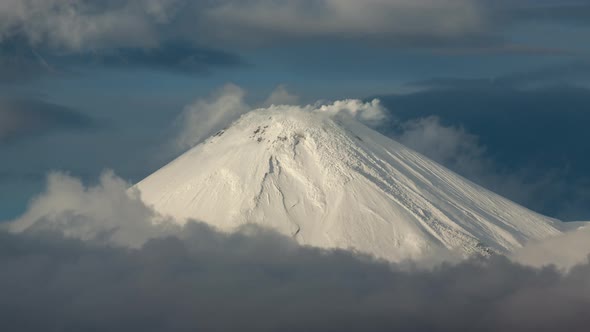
(563, 251)
(257, 281)
(197, 278)
(106, 213)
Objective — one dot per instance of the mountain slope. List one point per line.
(330, 181)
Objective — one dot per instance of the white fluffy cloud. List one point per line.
(206, 116)
(106, 213)
(564, 251)
(448, 145)
(81, 24)
(280, 96)
(369, 113)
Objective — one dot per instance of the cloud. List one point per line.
(92, 25)
(193, 36)
(564, 251)
(170, 56)
(440, 123)
(447, 145)
(79, 24)
(563, 74)
(20, 62)
(370, 113)
(30, 117)
(244, 282)
(82, 25)
(254, 279)
(399, 21)
(105, 213)
(462, 152)
(280, 96)
(573, 11)
(205, 117)
(534, 122)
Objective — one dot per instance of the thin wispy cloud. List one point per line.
(21, 118)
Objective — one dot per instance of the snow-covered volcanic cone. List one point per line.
(330, 181)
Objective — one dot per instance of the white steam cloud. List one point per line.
(280, 96)
(370, 113)
(206, 116)
(444, 144)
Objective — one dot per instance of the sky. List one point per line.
(97, 94)
(503, 85)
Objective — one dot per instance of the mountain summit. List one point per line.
(327, 180)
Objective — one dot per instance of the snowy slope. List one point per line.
(330, 181)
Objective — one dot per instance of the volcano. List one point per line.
(329, 181)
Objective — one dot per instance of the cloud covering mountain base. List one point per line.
(258, 281)
(128, 274)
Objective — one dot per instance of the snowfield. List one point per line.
(329, 181)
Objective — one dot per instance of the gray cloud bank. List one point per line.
(83, 24)
(94, 257)
(258, 281)
(38, 37)
(130, 274)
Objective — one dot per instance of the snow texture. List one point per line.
(327, 180)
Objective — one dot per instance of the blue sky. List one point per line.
(89, 85)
